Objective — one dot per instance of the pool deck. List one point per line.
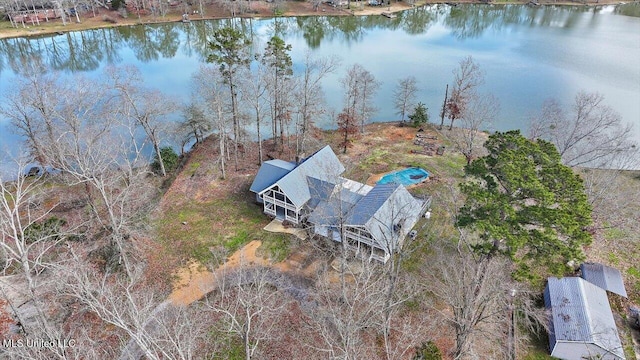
(373, 179)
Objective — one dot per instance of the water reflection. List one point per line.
(529, 53)
(86, 50)
(629, 9)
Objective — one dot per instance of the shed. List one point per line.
(604, 276)
(581, 321)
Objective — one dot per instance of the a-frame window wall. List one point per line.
(276, 203)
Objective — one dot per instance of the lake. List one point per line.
(528, 54)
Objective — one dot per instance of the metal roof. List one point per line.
(388, 212)
(270, 172)
(604, 276)
(580, 314)
(367, 207)
(330, 212)
(355, 186)
(319, 190)
(323, 165)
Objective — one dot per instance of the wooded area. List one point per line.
(89, 243)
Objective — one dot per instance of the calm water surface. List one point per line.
(528, 54)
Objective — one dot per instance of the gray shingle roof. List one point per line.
(580, 314)
(604, 276)
(270, 172)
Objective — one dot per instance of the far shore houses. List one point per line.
(373, 220)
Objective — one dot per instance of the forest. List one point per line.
(121, 191)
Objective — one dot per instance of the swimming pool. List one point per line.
(406, 177)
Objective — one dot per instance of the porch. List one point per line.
(277, 204)
(362, 243)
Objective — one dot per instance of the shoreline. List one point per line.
(296, 9)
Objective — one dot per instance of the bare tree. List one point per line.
(117, 189)
(97, 149)
(466, 79)
(404, 95)
(183, 332)
(348, 127)
(479, 113)
(248, 301)
(28, 242)
(309, 95)
(234, 7)
(359, 86)
(394, 226)
(254, 88)
(116, 302)
(475, 295)
(209, 88)
(316, 4)
(369, 87)
(476, 292)
(591, 134)
(149, 109)
(473, 292)
(31, 108)
(149, 327)
(345, 313)
(351, 89)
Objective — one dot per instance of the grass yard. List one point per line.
(199, 230)
(207, 218)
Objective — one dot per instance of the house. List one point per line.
(283, 187)
(581, 322)
(604, 276)
(373, 220)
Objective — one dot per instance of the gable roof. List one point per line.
(322, 165)
(336, 202)
(270, 172)
(604, 276)
(581, 314)
(366, 208)
(319, 190)
(329, 212)
(388, 212)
